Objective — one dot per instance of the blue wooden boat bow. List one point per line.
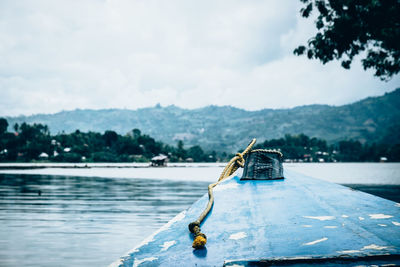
(296, 221)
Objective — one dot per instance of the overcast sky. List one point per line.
(62, 55)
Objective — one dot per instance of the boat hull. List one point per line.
(295, 221)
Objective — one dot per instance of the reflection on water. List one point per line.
(75, 221)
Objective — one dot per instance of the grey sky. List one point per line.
(59, 55)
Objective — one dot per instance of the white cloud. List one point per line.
(129, 54)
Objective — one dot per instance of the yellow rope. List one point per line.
(237, 161)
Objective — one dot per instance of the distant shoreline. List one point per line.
(30, 165)
(81, 165)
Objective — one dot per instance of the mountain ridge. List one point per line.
(225, 127)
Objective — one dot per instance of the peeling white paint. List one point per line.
(138, 262)
(345, 216)
(321, 218)
(361, 218)
(315, 241)
(330, 226)
(380, 216)
(396, 223)
(235, 264)
(348, 251)
(167, 245)
(166, 226)
(375, 247)
(146, 241)
(221, 187)
(383, 225)
(117, 263)
(238, 236)
(177, 218)
(307, 226)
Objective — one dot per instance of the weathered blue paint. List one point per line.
(294, 220)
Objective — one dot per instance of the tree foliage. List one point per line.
(28, 142)
(305, 149)
(3, 125)
(347, 28)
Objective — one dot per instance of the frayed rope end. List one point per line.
(200, 241)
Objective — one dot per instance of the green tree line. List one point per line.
(26, 143)
(34, 142)
(303, 148)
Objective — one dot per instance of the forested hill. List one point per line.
(374, 119)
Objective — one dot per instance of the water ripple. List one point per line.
(72, 221)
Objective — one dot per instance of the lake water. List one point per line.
(92, 216)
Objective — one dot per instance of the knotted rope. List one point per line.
(237, 161)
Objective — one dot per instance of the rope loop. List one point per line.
(240, 160)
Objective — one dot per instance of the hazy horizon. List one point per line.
(173, 105)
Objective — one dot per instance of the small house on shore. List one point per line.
(159, 161)
(43, 155)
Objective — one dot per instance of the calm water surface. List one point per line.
(75, 220)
